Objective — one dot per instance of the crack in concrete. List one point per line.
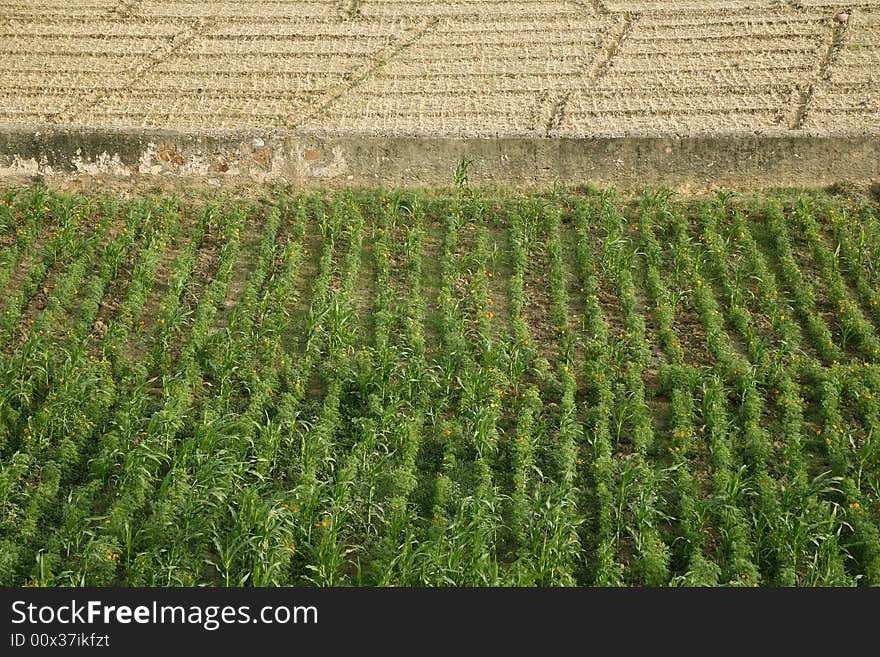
(377, 62)
(807, 93)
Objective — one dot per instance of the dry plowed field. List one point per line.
(425, 66)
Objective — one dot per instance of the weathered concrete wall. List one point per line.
(335, 160)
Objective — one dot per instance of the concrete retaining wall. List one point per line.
(335, 160)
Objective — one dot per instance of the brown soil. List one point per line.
(538, 307)
(733, 337)
(612, 311)
(499, 283)
(27, 258)
(690, 332)
(251, 233)
(139, 344)
(364, 292)
(203, 273)
(432, 252)
(652, 329)
(340, 252)
(303, 285)
(576, 303)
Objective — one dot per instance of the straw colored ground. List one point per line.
(401, 66)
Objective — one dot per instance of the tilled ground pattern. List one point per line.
(414, 66)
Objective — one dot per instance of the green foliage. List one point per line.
(405, 389)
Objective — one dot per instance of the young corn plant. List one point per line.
(850, 252)
(802, 290)
(852, 320)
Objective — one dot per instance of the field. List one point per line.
(450, 67)
(449, 389)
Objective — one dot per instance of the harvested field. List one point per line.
(410, 66)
